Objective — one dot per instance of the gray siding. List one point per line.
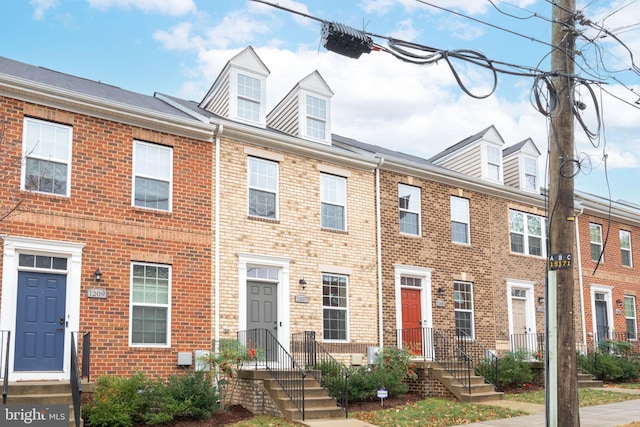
(511, 172)
(468, 163)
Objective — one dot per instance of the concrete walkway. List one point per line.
(611, 415)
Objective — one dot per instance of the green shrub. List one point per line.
(609, 366)
(124, 402)
(513, 370)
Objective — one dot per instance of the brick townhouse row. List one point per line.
(161, 225)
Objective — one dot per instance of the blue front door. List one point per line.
(40, 322)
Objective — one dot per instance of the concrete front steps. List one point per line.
(42, 393)
(587, 381)
(480, 391)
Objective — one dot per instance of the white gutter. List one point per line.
(379, 254)
(579, 261)
(216, 240)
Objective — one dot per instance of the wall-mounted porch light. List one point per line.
(97, 274)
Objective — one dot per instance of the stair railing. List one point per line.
(452, 358)
(279, 363)
(322, 366)
(76, 380)
(5, 337)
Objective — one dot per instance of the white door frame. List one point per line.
(13, 247)
(424, 274)
(282, 264)
(607, 291)
(529, 305)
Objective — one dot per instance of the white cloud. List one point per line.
(165, 7)
(41, 6)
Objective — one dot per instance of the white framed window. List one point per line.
(527, 233)
(409, 206)
(595, 238)
(335, 308)
(150, 314)
(263, 188)
(316, 118)
(625, 248)
(630, 317)
(494, 163)
(152, 176)
(249, 101)
(333, 200)
(46, 148)
(530, 174)
(463, 307)
(459, 219)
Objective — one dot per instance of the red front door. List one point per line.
(411, 320)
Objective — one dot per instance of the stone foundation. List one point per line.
(427, 385)
(248, 390)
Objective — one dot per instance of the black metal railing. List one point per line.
(76, 380)
(5, 338)
(331, 374)
(279, 363)
(86, 356)
(458, 353)
(533, 344)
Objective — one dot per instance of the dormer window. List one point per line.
(249, 101)
(316, 118)
(494, 163)
(530, 174)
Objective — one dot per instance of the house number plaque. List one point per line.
(97, 293)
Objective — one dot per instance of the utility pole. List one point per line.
(561, 209)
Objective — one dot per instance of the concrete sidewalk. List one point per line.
(611, 415)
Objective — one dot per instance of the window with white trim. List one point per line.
(409, 206)
(152, 175)
(150, 310)
(333, 200)
(625, 248)
(463, 307)
(263, 188)
(595, 239)
(527, 233)
(316, 118)
(494, 163)
(459, 219)
(530, 174)
(249, 100)
(335, 316)
(630, 316)
(46, 148)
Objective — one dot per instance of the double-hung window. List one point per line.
(150, 310)
(409, 206)
(527, 232)
(47, 152)
(152, 172)
(625, 248)
(335, 316)
(459, 220)
(463, 308)
(494, 163)
(530, 174)
(263, 188)
(595, 238)
(333, 195)
(630, 316)
(316, 118)
(249, 98)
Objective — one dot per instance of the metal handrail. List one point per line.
(279, 363)
(76, 381)
(86, 356)
(6, 335)
(321, 365)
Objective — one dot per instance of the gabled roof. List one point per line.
(19, 72)
(313, 82)
(526, 146)
(465, 142)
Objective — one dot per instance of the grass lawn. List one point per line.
(587, 397)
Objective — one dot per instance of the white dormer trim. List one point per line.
(235, 99)
(309, 133)
(492, 165)
(524, 173)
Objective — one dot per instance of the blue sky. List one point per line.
(178, 47)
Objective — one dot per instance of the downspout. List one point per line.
(379, 253)
(579, 260)
(216, 240)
